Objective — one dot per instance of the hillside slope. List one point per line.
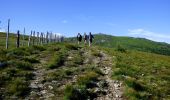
(57, 71)
(139, 44)
(65, 71)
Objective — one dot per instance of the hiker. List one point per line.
(79, 38)
(85, 38)
(90, 38)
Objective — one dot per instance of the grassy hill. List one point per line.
(130, 43)
(66, 71)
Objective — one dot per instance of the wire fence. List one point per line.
(21, 39)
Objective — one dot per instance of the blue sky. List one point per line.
(138, 18)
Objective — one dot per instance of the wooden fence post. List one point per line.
(18, 38)
(7, 35)
(58, 37)
(50, 38)
(37, 38)
(47, 38)
(29, 40)
(23, 41)
(55, 39)
(41, 38)
(33, 37)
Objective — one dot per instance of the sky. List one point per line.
(137, 18)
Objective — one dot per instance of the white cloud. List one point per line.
(149, 35)
(64, 21)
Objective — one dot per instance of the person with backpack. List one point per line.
(79, 38)
(90, 38)
(85, 38)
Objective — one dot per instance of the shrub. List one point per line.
(24, 65)
(56, 61)
(87, 78)
(4, 78)
(18, 52)
(3, 56)
(71, 47)
(35, 49)
(18, 87)
(135, 85)
(78, 60)
(97, 54)
(27, 74)
(31, 60)
(58, 75)
(54, 49)
(68, 72)
(75, 93)
(94, 69)
(121, 49)
(39, 48)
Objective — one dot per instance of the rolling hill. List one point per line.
(130, 43)
(66, 71)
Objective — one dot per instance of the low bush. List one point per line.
(18, 52)
(87, 78)
(23, 65)
(121, 49)
(31, 60)
(75, 93)
(39, 48)
(18, 87)
(97, 54)
(56, 61)
(71, 47)
(54, 48)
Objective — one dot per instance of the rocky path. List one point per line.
(107, 88)
(39, 89)
(113, 88)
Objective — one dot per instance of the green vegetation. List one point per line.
(130, 43)
(79, 91)
(146, 75)
(57, 60)
(75, 93)
(15, 73)
(18, 87)
(71, 46)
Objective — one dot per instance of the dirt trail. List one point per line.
(114, 87)
(40, 90)
(107, 88)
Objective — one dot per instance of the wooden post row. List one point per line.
(29, 40)
(7, 35)
(18, 39)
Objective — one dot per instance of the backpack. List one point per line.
(79, 37)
